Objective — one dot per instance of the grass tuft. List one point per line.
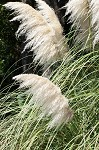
(78, 78)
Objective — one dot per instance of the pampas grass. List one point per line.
(27, 112)
(42, 30)
(79, 15)
(47, 97)
(21, 127)
(50, 16)
(85, 16)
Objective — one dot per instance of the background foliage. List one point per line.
(9, 48)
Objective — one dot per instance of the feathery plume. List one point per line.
(42, 30)
(50, 16)
(95, 19)
(47, 97)
(79, 15)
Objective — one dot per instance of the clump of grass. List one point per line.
(77, 76)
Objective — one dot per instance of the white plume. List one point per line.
(42, 30)
(85, 16)
(95, 19)
(47, 97)
(79, 15)
(50, 16)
